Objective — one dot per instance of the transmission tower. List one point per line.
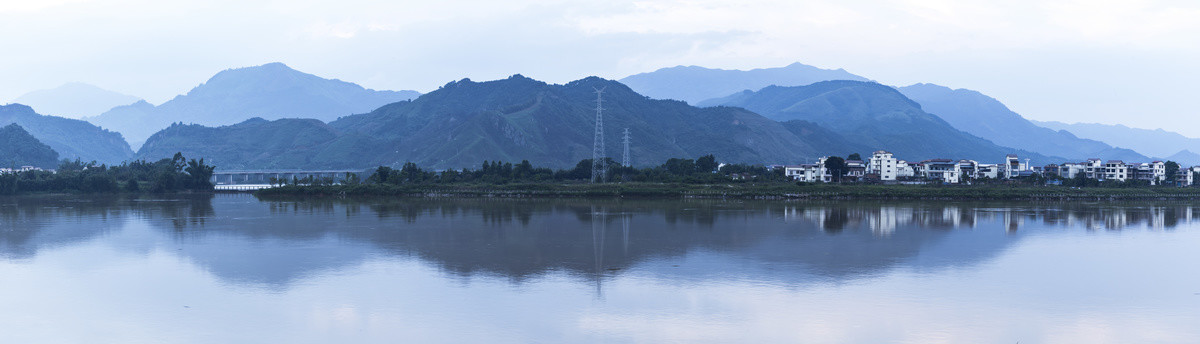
(598, 156)
(626, 141)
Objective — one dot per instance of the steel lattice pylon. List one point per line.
(598, 156)
(627, 141)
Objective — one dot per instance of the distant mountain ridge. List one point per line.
(694, 84)
(74, 100)
(270, 91)
(18, 148)
(1152, 142)
(986, 117)
(966, 110)
(71, 138)
(876, 116)
(464, 123)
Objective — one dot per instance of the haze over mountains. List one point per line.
(272, 116)
(986, 117)
(465, 122)
(74, 100)
(694, 84)
(1156, 142)
(966, 110)
(873, 115)
(18, 148)
(71, 138)
(269, 91)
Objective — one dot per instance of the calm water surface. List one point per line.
(236, 269)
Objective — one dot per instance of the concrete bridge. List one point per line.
(263, 177)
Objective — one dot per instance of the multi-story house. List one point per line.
(989, 171)
(883, 164)
(855, 170)
(943, 170)
(1012, 166)
(1116, 170)
(968, 169)
(1094, 169)
(905, 170)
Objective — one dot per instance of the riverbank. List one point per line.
(741, 191)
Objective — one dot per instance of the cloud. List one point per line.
(157, 49)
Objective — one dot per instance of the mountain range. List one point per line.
(269, 91)
(18, 148)
(986, 117)
(464, 123)
(71, 138)
(74, 100)
(243, 119)
(694, 84)
(1153, 142)
(873, 115)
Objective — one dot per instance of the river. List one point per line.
(231, 268)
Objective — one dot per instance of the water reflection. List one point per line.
(278, 242)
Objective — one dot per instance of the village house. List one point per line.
(883, 164)
(1116, 170)
(943, 170)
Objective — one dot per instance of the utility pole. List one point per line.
(598, 156)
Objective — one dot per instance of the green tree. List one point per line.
(1172, 169)
(836, 167)
(854, 156)
(199, 174)
(707, 164)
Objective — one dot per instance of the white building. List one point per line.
(988, 170)
(905, 170)
(1013, 166)
(943, 170)
(805, 173)
(882, 163)
(1116, 170)
(968, 169)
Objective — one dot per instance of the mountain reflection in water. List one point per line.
(277, 242)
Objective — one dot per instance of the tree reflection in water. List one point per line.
(275, 242)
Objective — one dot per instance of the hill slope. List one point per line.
(875, 116)
(74, 100)
(18, 148)
(269, 91)
(988, 118)
(71, 138)
(253, 144)
(694, 84)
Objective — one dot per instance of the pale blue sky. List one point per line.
(1130, 62)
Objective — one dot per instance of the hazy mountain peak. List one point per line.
(74, 100)
(13, 108)
(1152, 142)
(694, 84)
(271, 91)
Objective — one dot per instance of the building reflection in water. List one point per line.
(884, 219)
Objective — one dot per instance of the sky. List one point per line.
(1126, 62)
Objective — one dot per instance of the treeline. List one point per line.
(167, 175)
(705, 169)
